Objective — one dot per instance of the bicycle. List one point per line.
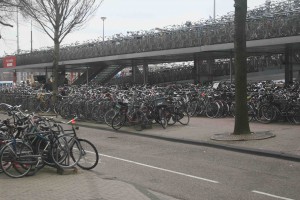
(32, 148)
(177, 113)
(137, 118)
(89, 156)
(21, 156)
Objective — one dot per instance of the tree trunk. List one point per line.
(241, 112)
(55, 69)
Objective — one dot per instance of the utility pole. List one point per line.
(31, 37)
(18, 44)
(103, 18)
(214, 10)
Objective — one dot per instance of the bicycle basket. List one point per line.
(160, 102)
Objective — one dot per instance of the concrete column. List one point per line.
(145, 73)
(196, 69)
(87, 75)
(15, 76)
(71, 77)
(288, 65)
(133, 69)
(210, 69)
(46, 73)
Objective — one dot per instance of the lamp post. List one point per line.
(103, 18)
(18, 37)
(214, 10)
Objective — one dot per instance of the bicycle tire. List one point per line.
(45, 153)
(183, 117)
(44, 107)
(162, 119)
(95, 110)
(192, 108)
(15, 166)
(61, 151)
(295, 111)
(251, 112)
(139, 121)
(89, 154)
(118, 121)
(265, 114)
(212, 110)
(109, 115)
(171, 117)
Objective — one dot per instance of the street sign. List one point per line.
(9, 62)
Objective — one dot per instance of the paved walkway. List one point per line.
(286, 142)
(90, 185)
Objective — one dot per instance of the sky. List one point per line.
(121, 16)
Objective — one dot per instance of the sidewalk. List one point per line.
(285, 144)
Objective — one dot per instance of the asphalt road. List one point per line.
(183, 171)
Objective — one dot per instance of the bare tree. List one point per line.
(241, 112)
(58, 18)
(6, 9)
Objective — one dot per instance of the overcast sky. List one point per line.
(122, 16)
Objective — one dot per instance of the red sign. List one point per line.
(9, 62)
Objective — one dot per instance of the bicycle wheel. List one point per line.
(64, 111)
(192, 108)
(16, 159)
(183, 117)
(118, 121)
(201, 108)
(89, 154)
(171, 116)
(266, 114)
(95, 110)
(221, 108)
(44, 105)
(44, 149)
(294, 114)
(140, 121)
(232, 109)
(61, 151)
(109, 115)
(56, 107)
(162, 119)
(212, 110)
(251, 112)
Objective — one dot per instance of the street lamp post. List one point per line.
(18, 37)
(103, 18)
(214, 9)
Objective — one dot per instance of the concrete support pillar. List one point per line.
(15, 76)
(137, 76)
(196, 69)
(87, 75)
(288, 65)
(46, 73)
(210, 69)
(145, 73)
(134, 73)
(71, 77)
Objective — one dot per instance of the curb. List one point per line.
(246, 150)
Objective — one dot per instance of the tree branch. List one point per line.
(6, 24)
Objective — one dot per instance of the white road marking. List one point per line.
(158, 168)
(271, 195)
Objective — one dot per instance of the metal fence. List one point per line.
(272, 20)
